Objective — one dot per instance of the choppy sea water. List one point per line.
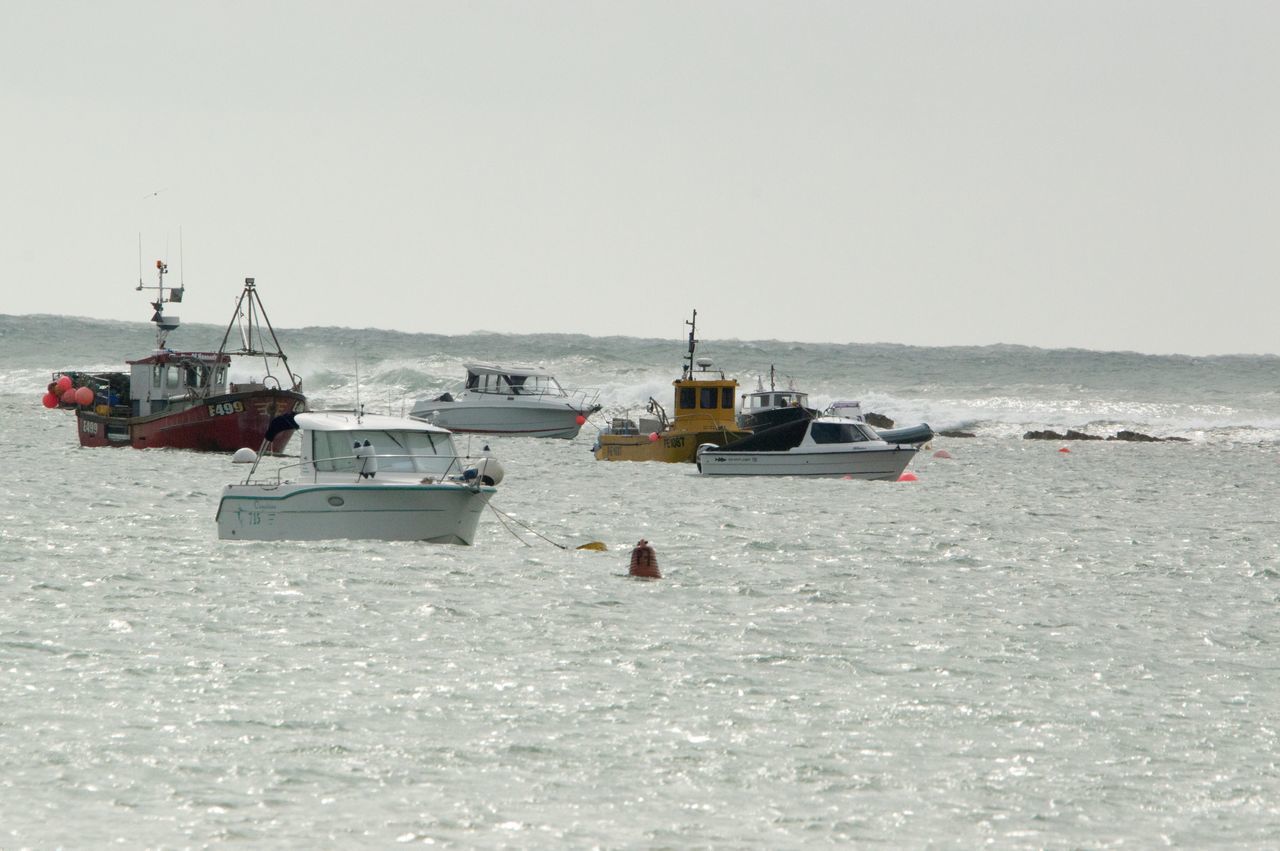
(1025, 648)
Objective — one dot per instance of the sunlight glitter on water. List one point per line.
(1023, 648)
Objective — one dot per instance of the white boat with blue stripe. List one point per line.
(361, 476)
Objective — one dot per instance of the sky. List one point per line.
(1093, 175)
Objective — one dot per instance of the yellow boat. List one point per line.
(704, 413)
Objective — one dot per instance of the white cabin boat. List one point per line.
(523, 401)
(361, 476)
(824, 446)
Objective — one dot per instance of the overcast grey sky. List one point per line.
(1099, 174)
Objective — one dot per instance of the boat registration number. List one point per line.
(88, 427)
(223, 408)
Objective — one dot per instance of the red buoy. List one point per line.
(580, 419)
(68, 396)
(1064, 449)
(653, 437)
(84, 396)
(64, 383)
(644, 562)
(50, 400)
(908, 477)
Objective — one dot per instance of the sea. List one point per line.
(1035, 644)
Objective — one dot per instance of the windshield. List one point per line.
(838, 433)
(396, 451)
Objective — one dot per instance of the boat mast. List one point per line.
(693, 324)
(253, 342)
(164, 324)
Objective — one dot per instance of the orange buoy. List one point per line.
(644, 562)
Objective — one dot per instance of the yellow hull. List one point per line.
(671, 446)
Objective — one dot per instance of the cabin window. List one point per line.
(490, 383)
(331, 451)
(397, 451)
(836, 433)
(726, 398)
(173, 377)
(708, 399)
(688, 397)
(431, 453)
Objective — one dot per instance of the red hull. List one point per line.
(221, 423)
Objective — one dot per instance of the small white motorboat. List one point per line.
(523, 401)
(360, 476)
(822, 446)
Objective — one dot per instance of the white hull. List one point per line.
(442, 513)
(870, 463)
(518, 417)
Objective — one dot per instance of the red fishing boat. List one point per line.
(187, 400)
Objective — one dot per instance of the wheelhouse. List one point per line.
(167, 377)
(487, 378)
(336, 443)
(766, 400)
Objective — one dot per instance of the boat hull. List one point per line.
(872, 463)
(442, 513)
(670, 447)
(222, 423)
(511, 419)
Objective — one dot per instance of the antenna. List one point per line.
(182, 266)
(357, 357)
(693, 325)
(139, 260)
